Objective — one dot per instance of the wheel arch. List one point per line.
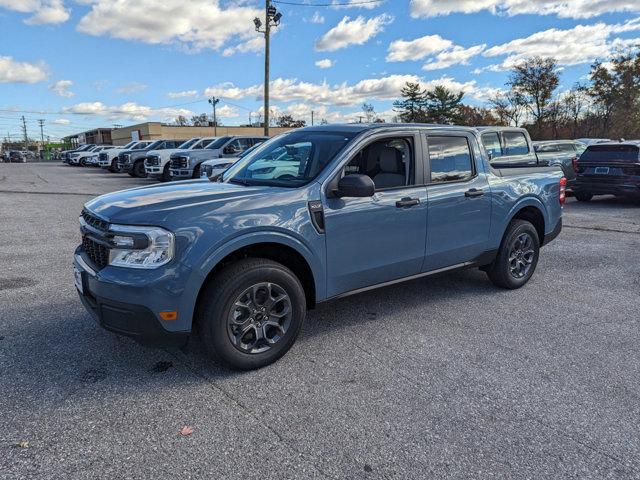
(277, 247)
(533, 211)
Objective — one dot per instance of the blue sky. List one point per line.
(82, 64)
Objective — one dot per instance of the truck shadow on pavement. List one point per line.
(55, 351)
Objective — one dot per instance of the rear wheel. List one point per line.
(113, 168)
(138, 169)
(583, 197)
(251, 313)
(518, 256)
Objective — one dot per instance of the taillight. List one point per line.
(574, 162)
(563, 190)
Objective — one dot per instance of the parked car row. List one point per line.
(17, 156)
(165, 159)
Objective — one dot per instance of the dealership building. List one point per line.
(157, 130)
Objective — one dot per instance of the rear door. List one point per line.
(459, 200)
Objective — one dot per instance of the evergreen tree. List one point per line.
(443, 106)
(411, 106)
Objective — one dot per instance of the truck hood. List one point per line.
(205, 154)
(157, 204)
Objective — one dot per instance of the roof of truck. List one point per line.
(362, 127)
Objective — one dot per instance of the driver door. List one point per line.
(382, 238)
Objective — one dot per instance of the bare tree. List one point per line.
(533, 81)
(507, 108)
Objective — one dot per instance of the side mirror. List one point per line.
(356, 185)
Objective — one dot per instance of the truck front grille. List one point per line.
(103, 157)
(153, 160)
(180, 162)
(97, 253)
(94, 221)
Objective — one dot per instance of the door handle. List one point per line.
(474, 192)
(407, 202)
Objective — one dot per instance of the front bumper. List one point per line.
(124, 307)
(181, 172)
(125, 167)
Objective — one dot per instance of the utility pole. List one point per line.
(272, 19)
(41, 123)
(24, 133)
(312, 118)
(214, 101)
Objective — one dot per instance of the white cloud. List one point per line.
(561, 8)
(61, 88)
(352, 32)
(183, 94)
(130, 111)
(41, 11)
(324, 63)
(61, 121)
(444, 53)
(227, 111)
(581, 44)
(355, 4)
(132, 87)
(12, 71)
(403, 50)
(456, 56)
(317, 18)
(195, 25)
(254, 45)
(344, 94)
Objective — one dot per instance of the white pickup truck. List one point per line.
(157, 163)
(109, 159)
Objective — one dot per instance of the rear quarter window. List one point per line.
(515, 143)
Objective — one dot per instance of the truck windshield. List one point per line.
(155, 144)
(289, 160)
(217, 143)
(188, 143)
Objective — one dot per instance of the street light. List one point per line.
(272, 19)
(214, 101)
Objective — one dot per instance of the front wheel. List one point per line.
(138, 169)
(251, 313)
(113, 168)
(518, 256)
(583, 197)
(196, 171)
(166, 174)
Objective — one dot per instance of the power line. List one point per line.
(348, 4)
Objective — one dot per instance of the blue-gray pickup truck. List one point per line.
(312, 215)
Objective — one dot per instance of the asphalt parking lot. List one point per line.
(443, 377)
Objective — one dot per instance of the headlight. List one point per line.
(140, 247)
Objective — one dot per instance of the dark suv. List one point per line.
(608, 169)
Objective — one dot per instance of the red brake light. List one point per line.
(563, 191)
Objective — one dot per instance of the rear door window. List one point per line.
(515, 143)
(450, 159)
(492, 146)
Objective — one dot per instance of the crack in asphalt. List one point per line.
(182, 359)
(603, 229)
(52, 193)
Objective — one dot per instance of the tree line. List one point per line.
(606, 105)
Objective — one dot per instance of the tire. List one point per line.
(196, 172)
(113, 168)
(583, 197)
(83, 163)
(503, 272)
(138, 169)
(166, 173)
(233, 286)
